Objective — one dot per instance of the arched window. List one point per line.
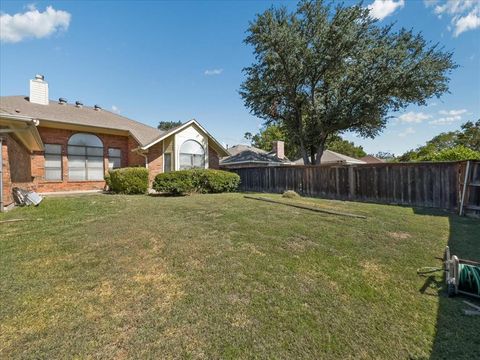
(192, 155)
(85, 157)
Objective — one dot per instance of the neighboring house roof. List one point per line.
(330, 157)
(242, 154)
(234, 150)
(85, 115)
(370, 159)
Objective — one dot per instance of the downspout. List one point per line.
(145, 155)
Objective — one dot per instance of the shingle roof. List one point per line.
(85, 115)
(234, 150)
(329, 157)
(370, 159)
(250, 154)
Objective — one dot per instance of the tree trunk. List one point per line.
(320, 149)
(312, 155)
(303, 151)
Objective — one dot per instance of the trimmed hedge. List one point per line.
(197, 180)
(130, 180)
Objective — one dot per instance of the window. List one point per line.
(167, 162)
(53, 162)
(85, 157)
(192, 155)
(114, 158)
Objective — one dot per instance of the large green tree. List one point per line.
(469, 136)
(320, 70)
(167, 125)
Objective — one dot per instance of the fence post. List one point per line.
(351, 182)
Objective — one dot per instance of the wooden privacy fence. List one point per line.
(438, 185)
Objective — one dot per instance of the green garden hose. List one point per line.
(469, 278)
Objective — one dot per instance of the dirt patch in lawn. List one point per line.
(399, 235)
(374, 271)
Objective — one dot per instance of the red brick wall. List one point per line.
(29, 169)
(61, 137)
(19, 157)
(213, 161)
(7, 183)
(134, 159)
(16, 167)
(155, 160)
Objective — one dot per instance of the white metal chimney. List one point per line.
(279, 149)
(39, 90)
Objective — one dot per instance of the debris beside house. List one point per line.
(25, 198)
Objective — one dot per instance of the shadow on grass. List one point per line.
(457, 335)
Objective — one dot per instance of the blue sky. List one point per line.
(154, 61)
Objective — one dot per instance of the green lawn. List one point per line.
(220, 276)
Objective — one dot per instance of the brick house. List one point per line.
(51, 146)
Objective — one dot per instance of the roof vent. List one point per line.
(97, 107)
(78, 104)
(62, 101)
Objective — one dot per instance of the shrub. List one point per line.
(215, 181)
(178, 182)
(197, 180)
(131, 180)
(290, 194)
(455, 153)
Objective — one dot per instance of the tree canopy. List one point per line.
(319, 71)
(462, 144)
(167, 125)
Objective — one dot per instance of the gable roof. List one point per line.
(330, 156)
(216, 145)
(85, 115)
(236, 149)
(241, 154)
(370, 159)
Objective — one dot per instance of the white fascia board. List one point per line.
(181, 127)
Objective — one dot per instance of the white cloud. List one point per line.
(464, 14)
(115, 109)
(32, 23)
(380, 9)
(413, 117)
(408, 131)
(429, 3)
(469, 22)
(452, 112)
(454, 7)
(445, 120)
(213, 72)
(449, 117)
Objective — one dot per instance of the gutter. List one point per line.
(31, 123)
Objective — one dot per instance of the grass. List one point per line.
(220, 276)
